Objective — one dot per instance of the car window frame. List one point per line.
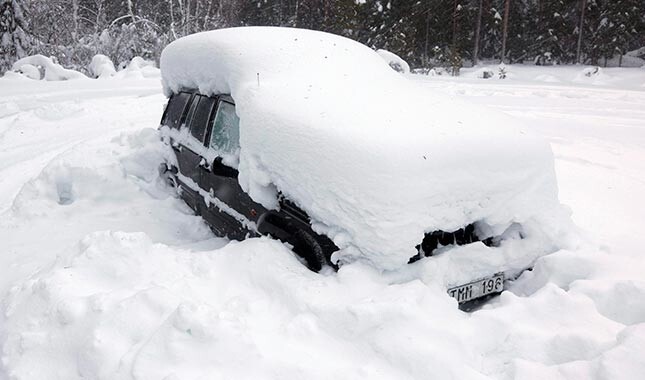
(205, 139)
(184, 112)
(211, 122)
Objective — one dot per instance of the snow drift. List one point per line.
(375, 159)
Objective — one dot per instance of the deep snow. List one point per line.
(105, 275)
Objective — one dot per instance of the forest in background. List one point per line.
(426, 33)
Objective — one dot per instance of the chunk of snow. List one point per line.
(396, 63)
(53, 71)
(375, 159)
(101, 66)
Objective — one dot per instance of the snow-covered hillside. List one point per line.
(104, 274)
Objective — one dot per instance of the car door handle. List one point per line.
(204, 165)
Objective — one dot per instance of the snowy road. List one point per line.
(105, 275)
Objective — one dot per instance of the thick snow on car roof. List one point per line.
(375, 159)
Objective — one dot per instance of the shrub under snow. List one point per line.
(101, 66)
(53, 71)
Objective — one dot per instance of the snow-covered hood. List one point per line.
(375, 159)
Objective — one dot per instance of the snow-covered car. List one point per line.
(312, 138)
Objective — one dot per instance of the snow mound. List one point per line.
(53, 71)
(396, 63)
(101, 66)
(593, 75)
(376, 160)
(138, 68)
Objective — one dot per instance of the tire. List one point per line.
(168, 176)
(308, 248)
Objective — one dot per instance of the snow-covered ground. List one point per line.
(105, 275)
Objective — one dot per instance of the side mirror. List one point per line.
(218, 168)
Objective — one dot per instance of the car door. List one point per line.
(192, 135)
(238, 211)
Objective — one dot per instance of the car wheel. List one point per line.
(168, 176)
(307, 248)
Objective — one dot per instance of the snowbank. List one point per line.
(397, 63)
(53, 71)
(375, 159)
(117, 305)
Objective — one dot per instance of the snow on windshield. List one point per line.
(375, 159)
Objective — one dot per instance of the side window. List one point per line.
(191, 111)
(225, 136)
(175, 109)
(201, 116)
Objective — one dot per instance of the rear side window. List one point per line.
(201, 116)
(225, 136)
(175, 110)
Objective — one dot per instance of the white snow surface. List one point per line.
(106, 274)
(375, 159)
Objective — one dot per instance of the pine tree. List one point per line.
(507, 8)
(14, 41)
(491, 28)
(519, 40)
(622, 26)
(556, 30)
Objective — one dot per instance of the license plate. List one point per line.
(477, 289)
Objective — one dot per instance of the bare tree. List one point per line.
(455, 57)
(507, 7)
(581, 24)
(478, 27)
